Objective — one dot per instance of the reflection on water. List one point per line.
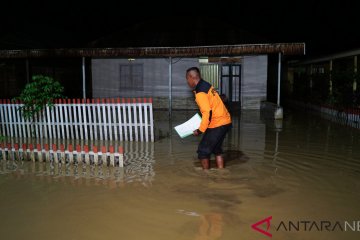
(210, 227)
(138, 161)
(303, 167)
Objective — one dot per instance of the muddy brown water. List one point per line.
(303, 168)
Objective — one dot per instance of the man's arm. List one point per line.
(204, 105)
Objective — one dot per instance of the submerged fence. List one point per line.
(61, 155)
(105, 163)
(346, 116)
(93, 119)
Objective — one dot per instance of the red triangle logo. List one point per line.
(267, 220)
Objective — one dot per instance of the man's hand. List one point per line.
(197, 132)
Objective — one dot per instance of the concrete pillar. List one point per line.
(170, 86)
(279, 110)
(83, 77)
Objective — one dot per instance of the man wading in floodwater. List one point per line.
(216, 119)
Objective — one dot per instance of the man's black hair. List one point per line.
(196, 69)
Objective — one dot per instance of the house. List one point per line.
(238, 71)
(332, 79)
(150, 60)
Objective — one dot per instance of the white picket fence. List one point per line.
(95, 119)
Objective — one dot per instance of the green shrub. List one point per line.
(40, 92)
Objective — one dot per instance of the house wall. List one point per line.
(254, 81)
(106, 81)
(106, 76)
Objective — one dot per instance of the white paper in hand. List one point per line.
(188, 127)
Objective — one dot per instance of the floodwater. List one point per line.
(303, 170)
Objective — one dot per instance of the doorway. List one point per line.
(231, 83)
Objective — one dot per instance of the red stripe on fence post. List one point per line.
(86, 150)
(47, 153)
(62, 153)
(54, 148)
(39, 152)
(121, 157)
(9, 151)
(121, 150)
(104, 157)
(78, 154)
(112, 157)
(96, 158)
(31, 148)
(16, 146)
(71, 153)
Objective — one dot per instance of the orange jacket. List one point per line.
(213, 111)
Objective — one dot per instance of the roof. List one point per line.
(194, 51)
(326, 58)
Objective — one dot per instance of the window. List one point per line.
(131, 76)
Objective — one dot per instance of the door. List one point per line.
(231, 82)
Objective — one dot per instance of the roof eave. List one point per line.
(193, 51)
